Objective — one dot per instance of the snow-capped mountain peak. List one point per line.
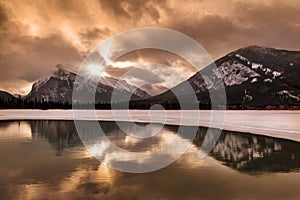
(58, 87)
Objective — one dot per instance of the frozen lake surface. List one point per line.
(280, 124)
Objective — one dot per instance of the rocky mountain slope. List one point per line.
(58, 87)
(254, 77)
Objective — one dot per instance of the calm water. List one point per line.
(46, 160)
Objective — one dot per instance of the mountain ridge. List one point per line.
(253, 77)
(58, 87)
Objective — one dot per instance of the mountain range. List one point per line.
(253, 77)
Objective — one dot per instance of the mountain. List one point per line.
(5, 96)
(58, 87)
(7, 100)
(254, 77)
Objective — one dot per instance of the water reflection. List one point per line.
(241, 151)
(47, 159)
(253, 153)
(17, 130)
(60, 135)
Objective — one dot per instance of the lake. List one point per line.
(45, 159)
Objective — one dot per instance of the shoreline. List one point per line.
(273, 123)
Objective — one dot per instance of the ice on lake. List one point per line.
(282, 124)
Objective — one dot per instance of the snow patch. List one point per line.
(248, 97)
(37, 85)
(275, 74)
(268, 80)
(243, 58)
(254, 80)
(267, 70)
(256, 66)
(285, 92)
(235, 73)
(208, 82)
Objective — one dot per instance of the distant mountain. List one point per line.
(5, 96)
(7, 100)
(254, 77)
(58, 87)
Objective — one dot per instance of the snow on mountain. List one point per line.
(287, 94)
(123, 85)
(262, 72)
(58, 87)
(236, 73)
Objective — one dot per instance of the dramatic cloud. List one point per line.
(154, 89)
(37, 60)
(134, 9)
(3, 15)
(37, 35)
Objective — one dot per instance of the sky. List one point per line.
(35, 36)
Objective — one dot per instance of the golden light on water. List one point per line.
(98, 149)
(23, 131)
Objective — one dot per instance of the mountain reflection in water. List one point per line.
(46, 159)
(240, 151)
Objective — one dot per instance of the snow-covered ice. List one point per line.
(281, 124)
